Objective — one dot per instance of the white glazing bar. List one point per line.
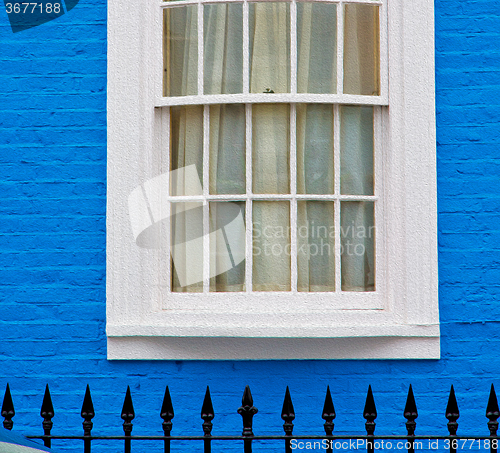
(272, 98)
(378, 160)
(200, 47)
(293, 47)
(206, 185)
(270, 197)
(195, 2)
(178, 3)
(337, 176)
(248, 205)
(384, 61)
(246, 47)
(165, 166)
(340, 48)
(293, 192)
(158, 47)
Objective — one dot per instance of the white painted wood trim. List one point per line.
(273, 98)
(400, 321)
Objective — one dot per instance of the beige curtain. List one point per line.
(357, 218)
(361, 49)
(269, 65)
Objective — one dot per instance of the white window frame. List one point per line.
(400, 320)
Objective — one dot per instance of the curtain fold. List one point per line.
(269, 66)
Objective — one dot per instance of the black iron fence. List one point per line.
(328, 442)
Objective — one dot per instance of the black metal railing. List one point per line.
(329, 442)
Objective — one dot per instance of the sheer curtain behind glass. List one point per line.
(269, 71)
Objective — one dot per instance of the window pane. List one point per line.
(356, 150)
(269, 47)
(316, 48)
(316, 246)
(227, 246)
(315, 165)
(223, 50)
(227, 149)
(180, 51)
(271, 246)
(361, 49)
(357, 237)
(186, 147)
(186, 247)
(270, 148)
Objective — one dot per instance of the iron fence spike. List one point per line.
(207, 409)
(167, 409)
(410, 411)
(8, 409)
(452, 412)
(87, 407)
(287, 412)
(128, 413)
(328, 408)
(247, 411)
(492, 411)
(47, 410)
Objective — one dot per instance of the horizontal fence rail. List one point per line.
(328, 442)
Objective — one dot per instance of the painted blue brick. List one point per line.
(52, 251)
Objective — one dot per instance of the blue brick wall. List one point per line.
(52, 244)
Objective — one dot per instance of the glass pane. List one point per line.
(361, 49)
(271, 246)
(186, 247)
(227, 246)
(223, 50)
(186, 149)
(316, 48)
(315, 165)
(227, 149)
(269, 47)
(270, 148)
(316, 246)
(356, 150)
(180, 51)
(357, 237)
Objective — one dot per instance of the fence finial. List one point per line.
(167, 412)
(452, 412)
(47, 413)
(8, 409)
(207, 413)
(370, 412)
(247, 411)
(328, 413)
(288, 413)
(87, 412)
(128, 413)
(410, 412)
(492, 412)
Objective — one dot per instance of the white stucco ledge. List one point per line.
(267, 348)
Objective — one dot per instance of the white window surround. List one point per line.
(400, 319)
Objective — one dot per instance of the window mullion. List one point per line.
(246, 51)
(336, 157)
(340, 48)
(206, 205)
(293, 193)
(165, 147)
(248, 205)
(293, 47)
(200, 48)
